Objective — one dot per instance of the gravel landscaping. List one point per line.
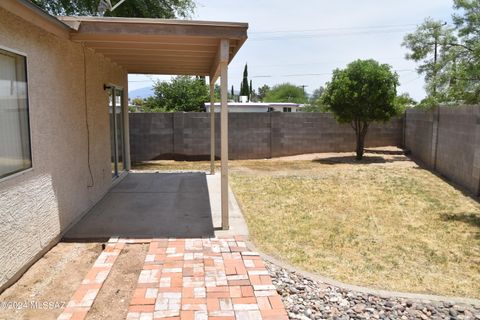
(308, 299)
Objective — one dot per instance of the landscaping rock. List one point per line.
(308, 299)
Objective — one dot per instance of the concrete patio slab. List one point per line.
(160, 205)
(238, 225)
(146, 205)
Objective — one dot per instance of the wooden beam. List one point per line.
(157, 29)
(223, 55)
(223, 62)
(212, 128)
(144, 39)
(204, 61)
(185, 72)
(160, 54)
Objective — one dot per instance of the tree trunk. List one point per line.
(360, 146)
(361, 129)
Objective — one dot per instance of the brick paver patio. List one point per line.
(188, 279)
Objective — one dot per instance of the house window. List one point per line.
(285, 109)
(15, 152)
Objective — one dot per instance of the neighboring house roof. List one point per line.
(148, 46)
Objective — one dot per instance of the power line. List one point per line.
(336, 28)
(320, 35)
(315, 74)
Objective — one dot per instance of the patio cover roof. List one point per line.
(159, 46)
(149, 46)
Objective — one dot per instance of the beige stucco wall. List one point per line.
(37, 205)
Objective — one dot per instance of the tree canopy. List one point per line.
(181, 94)
(315, 103)
(285, 92)
(362, 93)
(244, 85)
(167, 9)
(449, 56)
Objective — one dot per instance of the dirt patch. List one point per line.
(52, 279)
(114, 298)
(373, 156)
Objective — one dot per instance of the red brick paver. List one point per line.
(197, 279)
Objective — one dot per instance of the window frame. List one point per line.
(22, 171)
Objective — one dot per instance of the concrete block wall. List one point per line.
(183, 136)
(447, 140)
(299, 133)
(152, 135)
(419, 134)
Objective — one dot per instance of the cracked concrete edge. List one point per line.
(420, 297)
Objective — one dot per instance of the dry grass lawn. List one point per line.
(384, 222)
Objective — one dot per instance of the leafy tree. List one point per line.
(151, 104)
(286, 92)
(453, 73)
(315, 103)
(404, 102)
(137, 101)
(244, 89)
(168, 9)
(362, 93)
(262, 92)
(182, 93)
(426, 46)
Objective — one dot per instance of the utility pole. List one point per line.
(303, 87)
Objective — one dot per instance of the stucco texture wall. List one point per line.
(37, 205)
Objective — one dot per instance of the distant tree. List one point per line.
(167, 9)
(286, 92)
(362, 93)
(262, 92)
(254, 96)
(245, 90)
(250, 90)
(151, 104)
(217, 93)
(404, 102)
(232, 94)
(182, 93)
(137, 101)
(449, 57)
(315, 103)
(425, 45)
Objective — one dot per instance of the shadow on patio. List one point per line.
(150, 205)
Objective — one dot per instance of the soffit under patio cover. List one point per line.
(159, 46)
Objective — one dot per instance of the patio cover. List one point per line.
(181, 47)
(156, 46)
(159, 46)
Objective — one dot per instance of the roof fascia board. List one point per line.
(33, 14)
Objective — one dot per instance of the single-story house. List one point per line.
(64, 133)
(258, 107)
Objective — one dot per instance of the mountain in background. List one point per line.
(141, 93)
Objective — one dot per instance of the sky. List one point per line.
(303, 41)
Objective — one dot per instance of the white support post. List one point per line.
(223, 61)
(212, 126)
